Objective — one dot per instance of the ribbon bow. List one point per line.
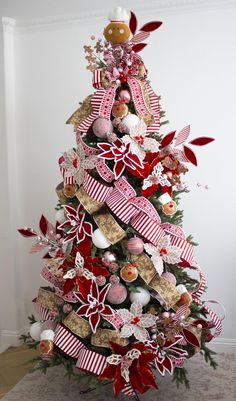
(125, 361)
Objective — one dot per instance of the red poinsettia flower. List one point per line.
(78, 228)
(90, 263)
(93, 305)
(167, 352)
(121, 154)
(130, 364)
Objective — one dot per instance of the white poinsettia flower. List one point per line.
(76, 162)
(163, 252)
(156, 178)
(136, 323)
(139, 141)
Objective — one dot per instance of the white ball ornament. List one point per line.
(142, 296)
(60, 216)
(99, 239)
(35, 331)
(130, 120)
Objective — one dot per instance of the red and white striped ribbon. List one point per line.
(154, 102)
(215, 319)
(128, 390)
(101, 102)
(67, 180)
(44, 313)
(137, 96)
(120, 206)
(50, 278)
(97, 79)
(148, 228)
(91, 361)
(96, 189)
(177, 238)
(68, 342)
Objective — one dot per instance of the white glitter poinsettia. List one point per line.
(156, 178)
(163, 252)
(139, 141)
(135, 323)
(75, 162)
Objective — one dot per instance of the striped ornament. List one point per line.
(67, 341)
(91, 361)
(96, 189)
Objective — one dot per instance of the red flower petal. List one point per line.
(167, 363)
(191, 338)
(70, 210)
(190, 155)
(201, 141)
(68, 286)
(107, 155)
(133, 22)
(94, 290)
(94, 321)
(167, 139)
(119, 168)
(104, 146)
(103, 293)
(107, 311)
(82, 310)
(138, 47)
(88, 228)
(43, 225)
(69, 238)
(151, 26)
(27, 232)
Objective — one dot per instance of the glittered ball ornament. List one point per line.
(135, 246)
(101, 127)
(117, 294)
(129, 273)
(130, 120)
(108, 257)
(124, 96)
(35, 331)
(60, 216)
(99, 239)
(142, 296)
(169, 277)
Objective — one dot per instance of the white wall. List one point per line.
(191, 60)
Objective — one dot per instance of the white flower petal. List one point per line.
(150, 249)
(147, 320)
(173, 255)
(140, 333)
(125, 315)
(127, 330)
(158, 263)
(136, 309)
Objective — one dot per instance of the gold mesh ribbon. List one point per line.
(147, 118)
(81, 113)
(77, 325)
(108, 225)
(47, 298)
(90, 204)
(102, 338)
(164, 288)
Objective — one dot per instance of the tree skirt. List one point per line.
(206, 384)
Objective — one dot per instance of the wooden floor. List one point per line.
(14, 364)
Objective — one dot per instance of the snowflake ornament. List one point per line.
(163, 252)
(156, 178)
(135, 323)
(75, 162)
(139, 141)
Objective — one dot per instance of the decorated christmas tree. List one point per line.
(121, 305)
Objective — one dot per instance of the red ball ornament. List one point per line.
(116, 294)
(135, 245)
(108, 257)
